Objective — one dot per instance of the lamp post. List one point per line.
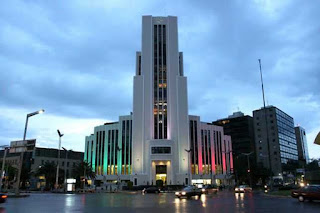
(65, 168)
(22, 153)
(57, 174)
(189, 165)
(3, 163)
(249, 169)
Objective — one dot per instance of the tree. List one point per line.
(82, 169)
(49, 170)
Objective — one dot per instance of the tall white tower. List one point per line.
(160, 107)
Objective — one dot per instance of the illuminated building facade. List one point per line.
(154, 142)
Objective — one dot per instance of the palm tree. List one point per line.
(82, 169)
(49, 170)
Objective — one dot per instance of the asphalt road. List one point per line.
(129, 202)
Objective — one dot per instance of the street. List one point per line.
(166, 202)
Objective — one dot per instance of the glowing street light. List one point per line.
(21, 154)
(57, 174)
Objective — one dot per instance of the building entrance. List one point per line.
(161, 173)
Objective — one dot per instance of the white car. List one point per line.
(243, 188)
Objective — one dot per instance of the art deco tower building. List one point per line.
(160, 106)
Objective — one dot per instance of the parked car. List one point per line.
(243, 188)
(151, 189)
(311, 192)
(209, 189)
(188, 192)
(3, 198)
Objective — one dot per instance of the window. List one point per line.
(67, 164)
(62, 163)
(258, 123)
(161, 150)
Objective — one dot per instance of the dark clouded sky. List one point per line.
(76, 60)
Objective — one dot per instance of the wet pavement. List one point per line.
(166, 202)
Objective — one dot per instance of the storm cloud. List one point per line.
(76, 60)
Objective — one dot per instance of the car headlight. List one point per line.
(237, 189)
(177, 193)
(183, 193)
(241, 189)
(265, 186)
(203, 190)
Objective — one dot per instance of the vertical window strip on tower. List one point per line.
(164, 87)
(91, 150)
(112, 152)
(123, 148)
(96, 154)
(102, 158)
(116, 151)
(109, 153)
(127, 146)
(159, 81)
(209, 152)
(191, 146)
(88, 148)
(202, 150)
(130, 150)
(196, 147)
(155, 80)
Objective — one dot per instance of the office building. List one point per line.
(37, 157)
(275, 145)
(240, 128)
(153, 142)
(302, 145)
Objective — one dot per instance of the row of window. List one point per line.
(161, 150)
(56, 162)
(160, 82)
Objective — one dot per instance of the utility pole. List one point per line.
(265, 116)
(57, 174)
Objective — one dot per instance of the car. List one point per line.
(209, 189)
(188, 192)
(243, 188)
(311, 192)
(151, 189)
(3, 198)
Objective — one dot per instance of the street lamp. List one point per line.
(21, 154)
(249, 169)
(65, 168)
(57, 174)
(189, 165)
